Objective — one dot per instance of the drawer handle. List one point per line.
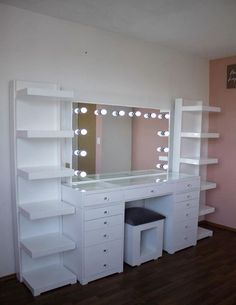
(188, 196)
(187, 214)
(186, 238)
(105, 222)
(105, 198)
(105, 212)
(104, 250)
(187, 204)
(105, 235)
(189, 185)
(186, 227)
(152, 191)
(104, 265)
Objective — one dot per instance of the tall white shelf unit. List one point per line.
(41, 133)
(190, 136)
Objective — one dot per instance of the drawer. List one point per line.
(187, 185)
(90, 214)
(99, 236)
(108, 256)
(103, 222)
(182, 227)
(185, 239)
(93, 199)
(147, 192)
(185, 205)
(186, 196)
(185, 214)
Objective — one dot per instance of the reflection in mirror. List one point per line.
(113, 139)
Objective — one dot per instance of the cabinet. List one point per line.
(98, 230)
(40, 144)
(190, 138)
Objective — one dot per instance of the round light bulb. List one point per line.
(153, 115)
(163, 149)
(121, 113)
(80, 110)
(82, 131)
(138, 113)
(163, 133)
(131, 114)
(81, 153)
(167, 116)
(115, 113)
(147, 115)
(160, 116)
(103, 111)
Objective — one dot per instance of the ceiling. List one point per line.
(203, 27)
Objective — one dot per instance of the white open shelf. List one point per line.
(203, 233)
(44, 172)
(205, 209)
(44, 245)
(27, 134)
(207, 185)
(200, 135)
(201, 108)
(196, 161)
(45, 209)
(47, 278)
(45, 93)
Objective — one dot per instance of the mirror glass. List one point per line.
(114, 139)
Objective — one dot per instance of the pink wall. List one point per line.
(224, 148)
(145, 140)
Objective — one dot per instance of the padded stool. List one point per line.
(143, 235)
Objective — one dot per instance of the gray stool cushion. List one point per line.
(139, 216)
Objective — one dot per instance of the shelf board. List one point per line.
(200, 135)
(207, 185)
(203, 233)
(206, 209)
(45, 94)
(27, 134)
(201, 108)
(44, 245)
(45, 209)
(196, 161)
(47, 278)
(44, 172)
(163, 158)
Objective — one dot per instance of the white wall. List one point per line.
(117, 70)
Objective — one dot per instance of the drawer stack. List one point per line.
(103, 240)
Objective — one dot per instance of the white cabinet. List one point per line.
(98, 229)
(40, 134)
(190, 136)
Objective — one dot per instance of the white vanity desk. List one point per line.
(97, 227)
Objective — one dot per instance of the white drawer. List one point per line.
(103, 257)
(149, 191)
(185, 205)
(186, 196)
(182, 227)
(185, 239)
(103, 222)
(180, 214)
(99, 236)
(93, 199)
(187, 185)
(90, 214)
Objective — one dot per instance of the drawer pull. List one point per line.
(105, 198)
(186, 227)
(186, 238)
(105, 235)
(187, 204)
(104, 250)
(105, 222)
(105, 212)
(187, 214)
(189, 185)
(188, 196)
(152, 191)
(104, 265)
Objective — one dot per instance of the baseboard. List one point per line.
(8, 277)
(219, 226)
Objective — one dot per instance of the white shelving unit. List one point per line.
(189, 146)
(41, 135)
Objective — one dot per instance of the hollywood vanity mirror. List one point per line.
(116, 141)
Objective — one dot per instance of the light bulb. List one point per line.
(81, 153)
(115, 113)
(103, 111)
(147, 115)
(131, 114)
(163, 149)
(163, 133)
(82, 174)
(153, 115)
(167, 116)
(100, 112)
(82, 132)
(163, 116)
(158, 180)
(121, 113)
(138, 113)
(80, 110)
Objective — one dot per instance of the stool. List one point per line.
(143, 235)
